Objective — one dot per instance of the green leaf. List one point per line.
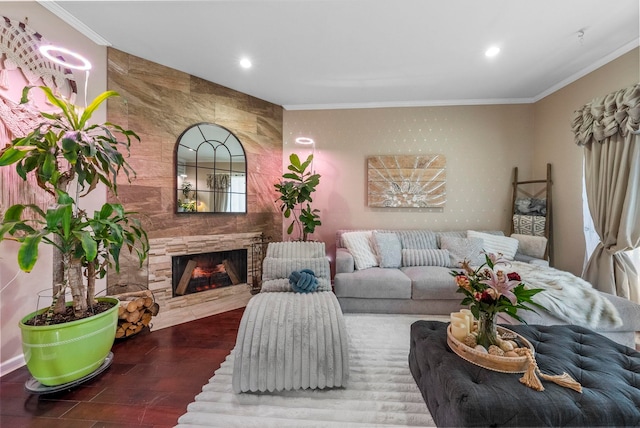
(106, 211)
(28, 252)
(10, 156)
(295, 160)
(14, 213)
(48, 166)
(89, 245)
(88, 112)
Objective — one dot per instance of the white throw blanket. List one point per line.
(568, 297)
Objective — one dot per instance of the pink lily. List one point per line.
(502, 284)
(498, 258)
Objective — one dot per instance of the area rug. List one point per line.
(381, 390)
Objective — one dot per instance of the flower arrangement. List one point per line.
(489, 290)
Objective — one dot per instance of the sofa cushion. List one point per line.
(418, 239)
(427, 257)
(388, 249)
(373, 283)
(496, 244)
(461, 249)
(529, 245)
(431, 282)
(274, 268)
(454, 233)
(360, 246)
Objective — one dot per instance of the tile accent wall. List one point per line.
(159, 103)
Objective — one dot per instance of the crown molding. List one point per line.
(601, 62)
(78, 25)
(417, 103)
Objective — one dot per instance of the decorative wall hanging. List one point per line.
(22, 63)
(406, 181)
(19, 46)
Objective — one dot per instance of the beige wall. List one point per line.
(482, 145)
(553, 142)
(18, 296)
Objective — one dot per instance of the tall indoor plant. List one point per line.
(69, 157)
(295, 196)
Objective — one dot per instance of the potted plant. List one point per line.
(69, 157)
(295, 194)
(187, 204)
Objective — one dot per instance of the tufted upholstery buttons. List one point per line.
(468, 395)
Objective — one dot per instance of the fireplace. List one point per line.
(176, 308)
(194, 273)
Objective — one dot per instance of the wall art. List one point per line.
(406, 181)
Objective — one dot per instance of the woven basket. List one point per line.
(488, 361)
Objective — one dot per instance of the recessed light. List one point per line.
(492, 51)
(245, 63)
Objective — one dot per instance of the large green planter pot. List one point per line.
(62, 353)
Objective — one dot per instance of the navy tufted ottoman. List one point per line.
(461, 394)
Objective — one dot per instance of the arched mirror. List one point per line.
(211, 170)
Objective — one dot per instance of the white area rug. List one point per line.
(381, 390)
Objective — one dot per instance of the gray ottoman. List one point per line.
(461, 394)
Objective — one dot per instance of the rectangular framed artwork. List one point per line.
(406, 181)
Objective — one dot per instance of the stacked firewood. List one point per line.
(135, 312)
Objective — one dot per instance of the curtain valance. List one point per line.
(616, 113)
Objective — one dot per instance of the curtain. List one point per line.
(221, 183)
(607, 129)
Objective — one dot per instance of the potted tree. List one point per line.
(69, 157)
(295, 196)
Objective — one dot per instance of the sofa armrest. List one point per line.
(531, 260)
(344, 261)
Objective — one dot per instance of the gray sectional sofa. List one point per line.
(408, 271)
(398, 288)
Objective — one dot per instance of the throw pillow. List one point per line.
(360, 246)
(388, 249)
(427, 257)
(529, 224)
(496, 243)
(529, 245)
(418, 239)
(461, 249)
(303, 281)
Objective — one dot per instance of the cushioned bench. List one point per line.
(461, 394)
(290, 340)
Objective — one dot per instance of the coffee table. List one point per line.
(461, 394)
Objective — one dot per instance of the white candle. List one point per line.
(457, 317)
(469, 315)
(459, 330)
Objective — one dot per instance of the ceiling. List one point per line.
(314, 54)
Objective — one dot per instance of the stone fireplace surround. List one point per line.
(176, 310)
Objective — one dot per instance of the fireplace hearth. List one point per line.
(176, 308)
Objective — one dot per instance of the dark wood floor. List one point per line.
(154, 375)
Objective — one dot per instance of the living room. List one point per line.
(482, 145)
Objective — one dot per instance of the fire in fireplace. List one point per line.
(193, 273)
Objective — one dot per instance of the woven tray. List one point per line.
(488, 361)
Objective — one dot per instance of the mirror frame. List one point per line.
(235, 153)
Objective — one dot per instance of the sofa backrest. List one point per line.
(456, 233)
(295, 250)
